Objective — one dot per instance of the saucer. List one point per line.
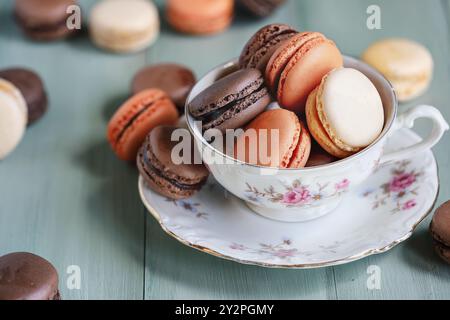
(373, 218)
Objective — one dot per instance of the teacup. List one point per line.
(294, 195)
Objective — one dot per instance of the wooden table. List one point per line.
(65, 196)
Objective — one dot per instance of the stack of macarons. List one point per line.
(327, 112)
(23, 100)
(141, 129)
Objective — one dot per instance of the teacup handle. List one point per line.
(406, 120)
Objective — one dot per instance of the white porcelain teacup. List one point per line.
(294, 195)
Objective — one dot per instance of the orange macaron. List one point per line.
(199, 17)
(290, 151)
(131, 123)
(298, 66)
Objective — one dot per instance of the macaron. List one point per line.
(440, 231)
(199, 17)
(345, 113)
(408, 65)
(132, 122)
(298, 66)
(176, 80)
(157, 167)
(25, 276)
(44, 20)
(261, 46)
(290, 151)
(319, 157)
(124, 26)
(260, 8)
(13, 117)
(32, 88)
(232, 101)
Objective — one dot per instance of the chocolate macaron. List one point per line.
(440, 230)
(260, 8)
(32, 89)
(25, 276)
(261, 46)
(161, 173)
(44, 20)
(232, 101)
(176, 80)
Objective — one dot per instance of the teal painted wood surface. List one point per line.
(66, 197)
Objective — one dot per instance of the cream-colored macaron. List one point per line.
(345, 113)
(13, 117)
(408, 65)
(124, 25)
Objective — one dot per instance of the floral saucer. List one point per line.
(373, 218)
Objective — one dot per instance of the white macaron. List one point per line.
(124, 25)
(350, 109)
(13, 117)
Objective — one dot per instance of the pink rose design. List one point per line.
(409, 205)
(344, 184)
(401, 182)
(298, 195)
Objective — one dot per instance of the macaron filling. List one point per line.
(130, 122)
(217, 117)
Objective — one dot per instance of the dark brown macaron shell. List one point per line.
(442, 251)
(319, 157)
(261, 8)
(176, 80)
(175, 181)
(440, 225)
(232, 101)
(259, 49)
(25, 276)
(44, 20)
(32, 89)
(440, 231)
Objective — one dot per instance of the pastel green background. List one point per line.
(65, 196)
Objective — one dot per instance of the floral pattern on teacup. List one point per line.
(401, 189)
(297, 194)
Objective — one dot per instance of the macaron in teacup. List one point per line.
(345, 113)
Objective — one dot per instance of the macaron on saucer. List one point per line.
(217, 223)
(175, 181)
